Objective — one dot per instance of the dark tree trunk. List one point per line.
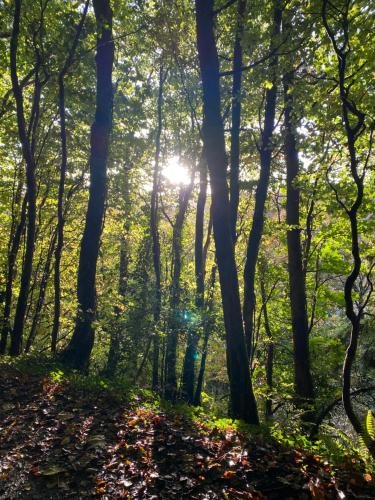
(297, 290)
(266, 149)
(199, 234)
(114, 352)
(174, 323)
(41, 295)
(188, 375)
(270, 347)
(236, 117)
(208, 325)
(12, 257)
(354, 125)
(117, 331)
(154, 229)
(188, 369)
(243, 404)
(77, 353)
(60, 199)
(306, 245)
(19, 319)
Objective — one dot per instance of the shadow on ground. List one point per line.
(58, 442)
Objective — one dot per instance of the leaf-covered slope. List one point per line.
(57, 441)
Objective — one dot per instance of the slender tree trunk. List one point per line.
(297, 289)
(42, 294)
(60, 199)
(266, 150)
(19, 319)
(208, 325)
(154, 223)
(306, 245)
(354, 125)
(188, 375)
(143, 362)
(188, 369)
(77, 353)
(243, 404)
(174, 324)
(12, 258)
(199, 234)
(117, 331)
(270, 347)
(236, 117)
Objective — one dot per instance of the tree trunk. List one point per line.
(208, 325)
(19, 319)
(266, 149)
(270, 346)
(12, 258)
(236, 117)
(174, 323)
(116, 346)
(199, 234)
(42, 294)
(188, 375)
(297, 289)
(60, 199)
(154, 223)
(354, 125)
(243, 404)
(77, 353)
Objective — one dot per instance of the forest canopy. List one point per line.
(187, 202)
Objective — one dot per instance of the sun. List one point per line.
(176, 172)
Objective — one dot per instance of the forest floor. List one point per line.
(61, 441)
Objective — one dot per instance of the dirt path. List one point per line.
(58, 442)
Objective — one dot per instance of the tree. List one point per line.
(208, 321)
(354, 124)
(236, 116)
(14, 244)
(174, 321)
(63, 167)
(243, 404)
(17, 333)
(297, 290)
(188, 372)
(265, 154)
(77, 353)
(155, 232)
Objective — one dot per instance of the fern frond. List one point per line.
(370, 425)
(362, 447)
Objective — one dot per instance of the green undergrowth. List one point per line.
(332, 445)
(119, 389)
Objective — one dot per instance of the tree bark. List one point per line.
(188, 375)
(354, 125)
(117, 333)
(243, 404)
(208, 325)
(303, 382)
(19, 319)
(262, 188)
(236, 117)
(63, 167)
(12, 258)
(42, 294)
(154, 229)
(174, 323)
(77, 353)
(270, 345)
